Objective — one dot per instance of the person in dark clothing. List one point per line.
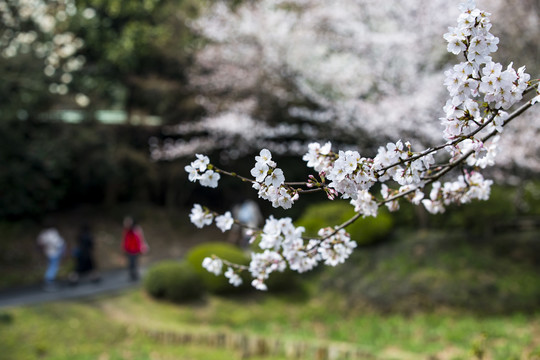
(84, 256)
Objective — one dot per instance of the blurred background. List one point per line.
(103, 103)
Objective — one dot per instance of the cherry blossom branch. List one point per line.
(480, 91)
(245, 179)
(462, 137)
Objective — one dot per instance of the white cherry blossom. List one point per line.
(209, 178)
(265, 157)
(213, 265)
(201, 163)
(275, 179)
(200, 217)
(224, 222)
(234, 278)
(260, 171)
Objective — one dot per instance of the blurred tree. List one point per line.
(134, 58)
(38, 57)
(137, 54)
(31, 173)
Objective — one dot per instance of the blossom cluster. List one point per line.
(215, 266)
(411, 193)
(352, 176)
(397, 162)
(466, 110)
(480, 92)
(283, 246)
(463, 190)
(198, 171)
(201, 217)
(269, 181)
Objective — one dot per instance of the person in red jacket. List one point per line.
(133, 244)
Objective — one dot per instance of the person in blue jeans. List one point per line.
(53, 246)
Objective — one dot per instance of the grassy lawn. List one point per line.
(84, 330)
(118, 328)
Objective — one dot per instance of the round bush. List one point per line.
(173, 281)
(364, 230)
(218, 284)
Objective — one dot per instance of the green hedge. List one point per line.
(173, 281)
(364, 231)
(218, 284)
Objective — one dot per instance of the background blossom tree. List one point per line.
(350, 72)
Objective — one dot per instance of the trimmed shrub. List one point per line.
(218, 284)
(173, 281)
(364, 231)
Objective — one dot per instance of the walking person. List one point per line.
(53, 246)
(83, 253)
(133, 244)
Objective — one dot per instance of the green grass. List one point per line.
(80, 331)
(114, 328)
